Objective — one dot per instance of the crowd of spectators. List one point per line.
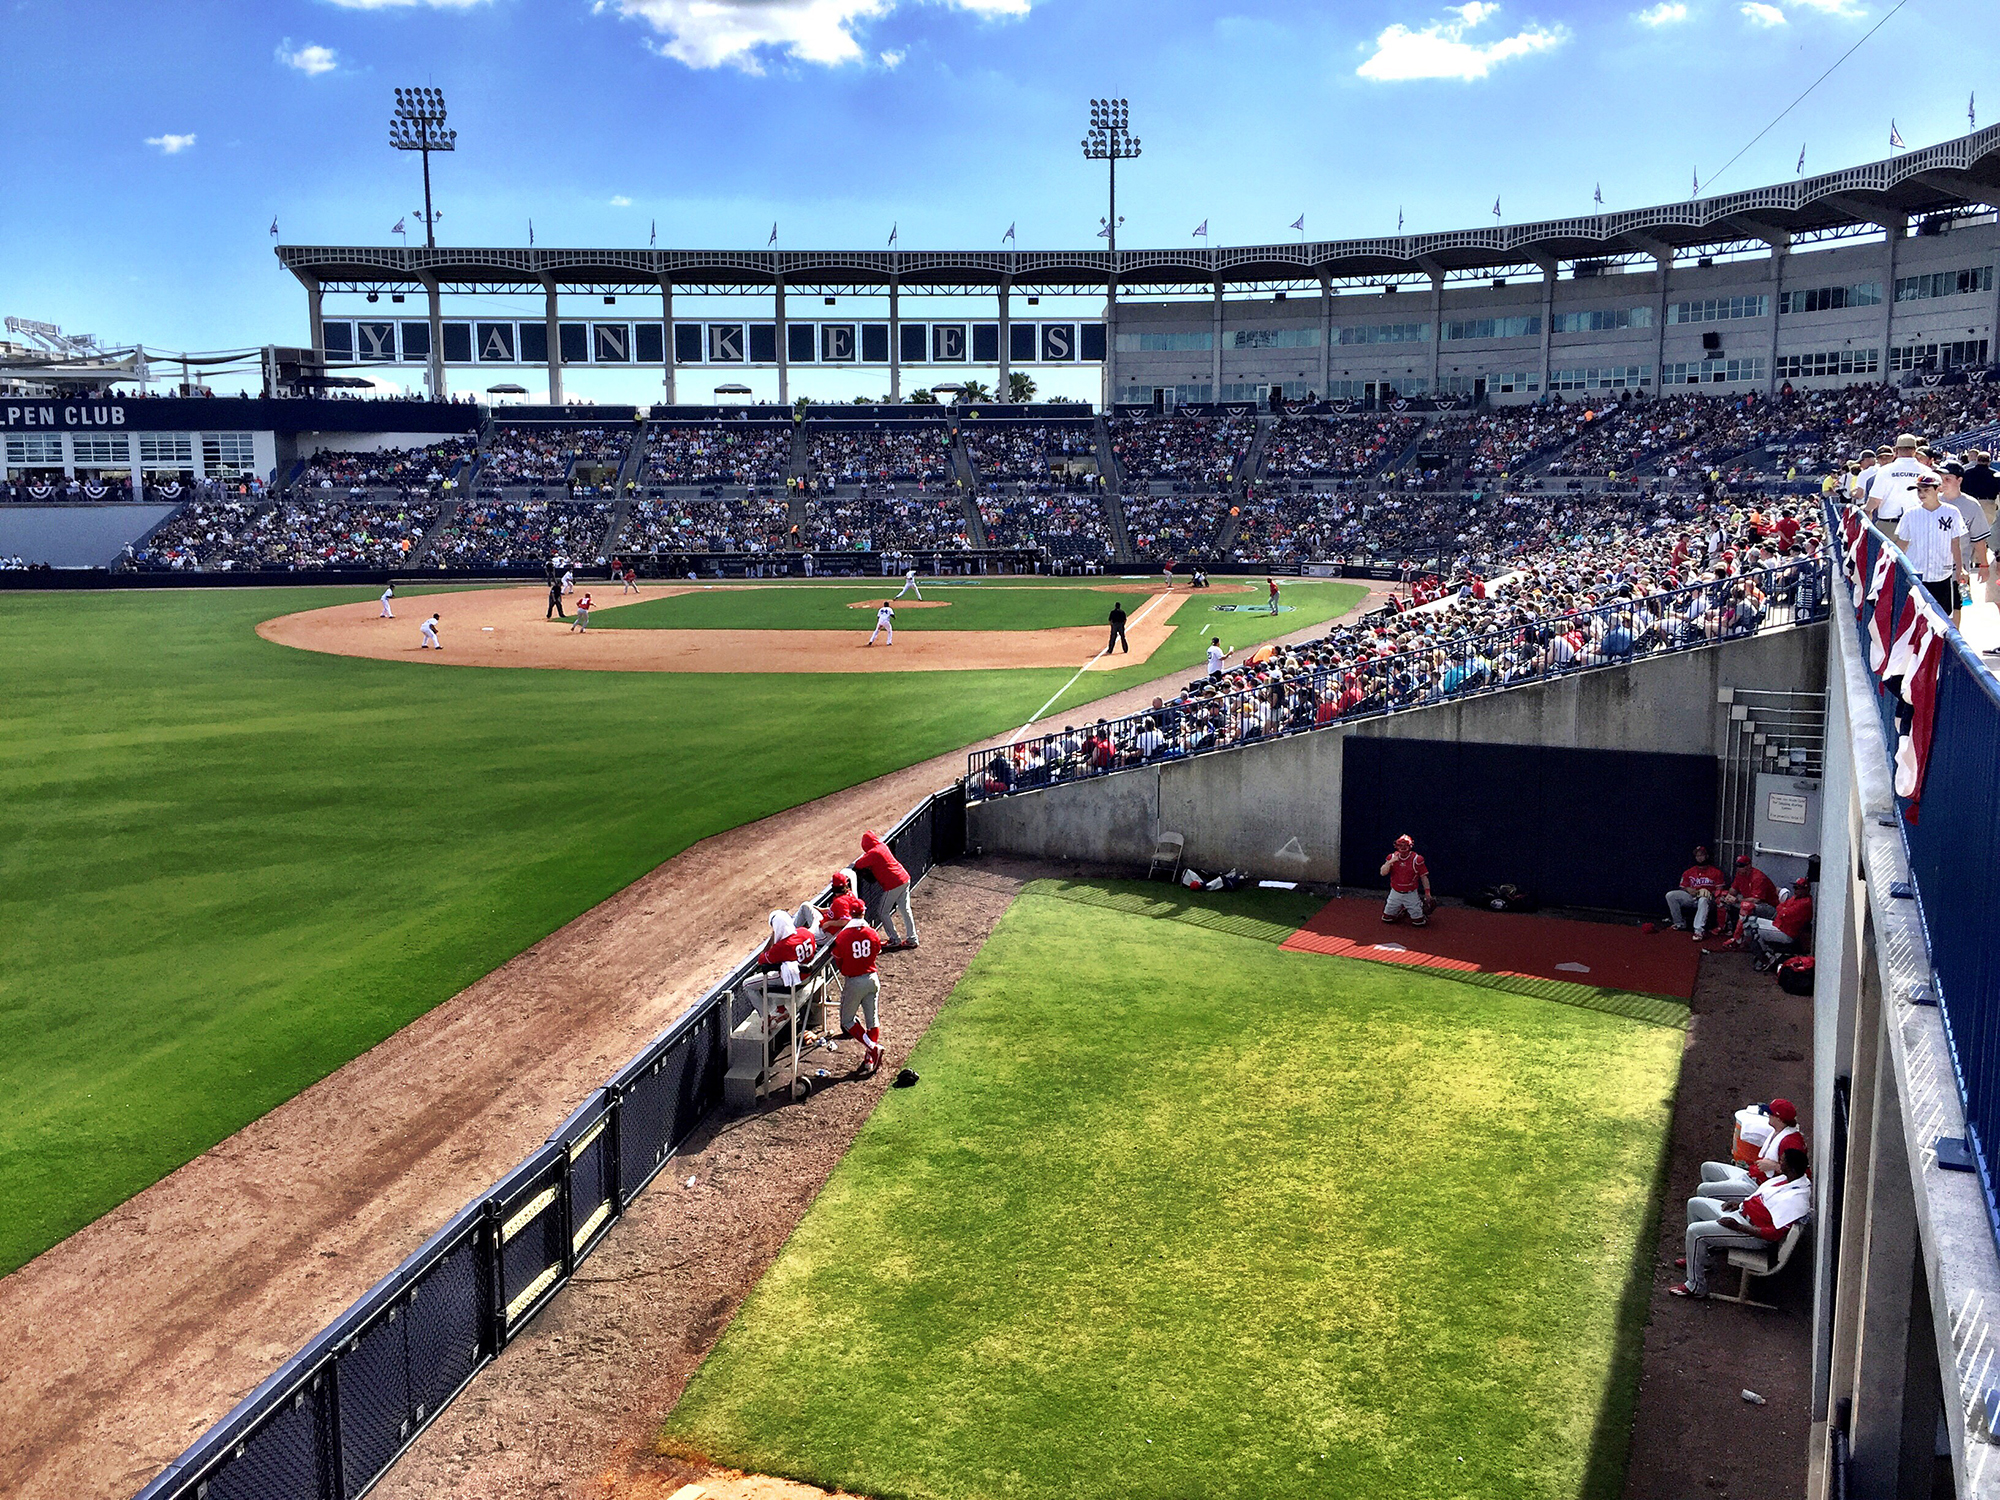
(1068, 525)
(406, 470)
(1187, 451)
(900, 453)
(1031, 453)
(505, 534)
(545, 454)
(884, 521)
(198, 530)
(1334, 448)
(732, 453)
(676, 525)
(343, 533)
(1580, 598)
(1176, 525)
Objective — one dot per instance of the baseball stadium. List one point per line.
(1218, 892)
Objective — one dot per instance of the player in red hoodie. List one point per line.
(887, 871)
(1694, 899)
(855, 948)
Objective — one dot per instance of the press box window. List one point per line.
(35, 448)
(228, 452)
(162, 450)
(98, 452)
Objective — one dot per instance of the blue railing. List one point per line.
(1952, 838)
(332, 1419)
(1609, 635)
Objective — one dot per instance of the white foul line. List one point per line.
(1079, 672)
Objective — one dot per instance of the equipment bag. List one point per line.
(1795, 976)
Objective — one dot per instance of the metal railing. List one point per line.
(1951, 837)
(1609, 635)
(332, 1419)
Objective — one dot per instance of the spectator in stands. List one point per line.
(1694, 900)
(1978, 527)
(1931, 534)
(1786, 931)
(1734, 1180)
(1761, 1219)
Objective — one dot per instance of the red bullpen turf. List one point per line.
(1469, 939)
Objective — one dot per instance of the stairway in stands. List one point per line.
(447, 513)
(968, 490)
(1114, 486)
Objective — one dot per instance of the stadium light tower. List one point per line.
(1111, 141)
(418, 125)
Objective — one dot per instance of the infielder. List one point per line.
(1409, 883)
(855, 947)
(885, 619)
(910, 585)
(569, 580)
(387, 594)
(429, 633)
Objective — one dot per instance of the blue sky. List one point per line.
(173, 133)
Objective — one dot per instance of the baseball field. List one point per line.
(232, 865)
(1176, 1211)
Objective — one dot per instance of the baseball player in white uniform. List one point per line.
(1216, 656)
(569, 580)
(387, 594)
(885, 619)
(429, 631)
(910, 584)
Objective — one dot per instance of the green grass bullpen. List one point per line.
(1176, 1213)
(229, 867)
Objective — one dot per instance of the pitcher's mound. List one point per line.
(899, 604)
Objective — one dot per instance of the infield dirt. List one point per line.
(508, 627)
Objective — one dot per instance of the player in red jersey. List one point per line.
(855, 948)
(1409, 883)
(879, 864)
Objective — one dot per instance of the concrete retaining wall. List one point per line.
(75, 536)
(1273, 809)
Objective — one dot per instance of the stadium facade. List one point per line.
(1876, 271)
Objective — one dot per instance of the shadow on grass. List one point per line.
(1611, 1437)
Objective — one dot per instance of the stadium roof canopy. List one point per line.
(1947, 178)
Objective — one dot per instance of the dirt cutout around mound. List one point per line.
(507, 627)
(899, 605)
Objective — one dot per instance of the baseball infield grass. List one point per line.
(230, 866)
(1174, 1212)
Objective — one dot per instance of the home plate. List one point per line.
(1391, 948)
(1574, 968)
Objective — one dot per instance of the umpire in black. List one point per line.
(555, 609)
(1118, 630)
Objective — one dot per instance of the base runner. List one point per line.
(855, 948)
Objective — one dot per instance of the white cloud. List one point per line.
(737, 33)
(1440, 49)
(621, 201)
(310, 59)
(893, 59)
(1760, 14)
(171, 145)
(1666, 13)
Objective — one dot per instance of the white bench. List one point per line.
(1765, 1260)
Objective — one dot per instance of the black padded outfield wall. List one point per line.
(1597, 828)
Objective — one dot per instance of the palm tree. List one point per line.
(973, 390)
(920, 397)
(1020, 387)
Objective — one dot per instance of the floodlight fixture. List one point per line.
(418, 124)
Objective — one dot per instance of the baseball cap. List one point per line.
(1927, 481)
(1784, 1109)
(1952, 466)
(1742, 860)
(1885, 448)
(839, 880)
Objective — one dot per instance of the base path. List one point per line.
(506, 627)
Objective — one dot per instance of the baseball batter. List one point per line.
(885, 619)
(855, 948)
(910, 585)
(387, 594)
(429, 632)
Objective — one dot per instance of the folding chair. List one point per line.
(1167, 847)
(1765, 1260)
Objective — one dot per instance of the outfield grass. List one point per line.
(230, 866)
(1174, 1212)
